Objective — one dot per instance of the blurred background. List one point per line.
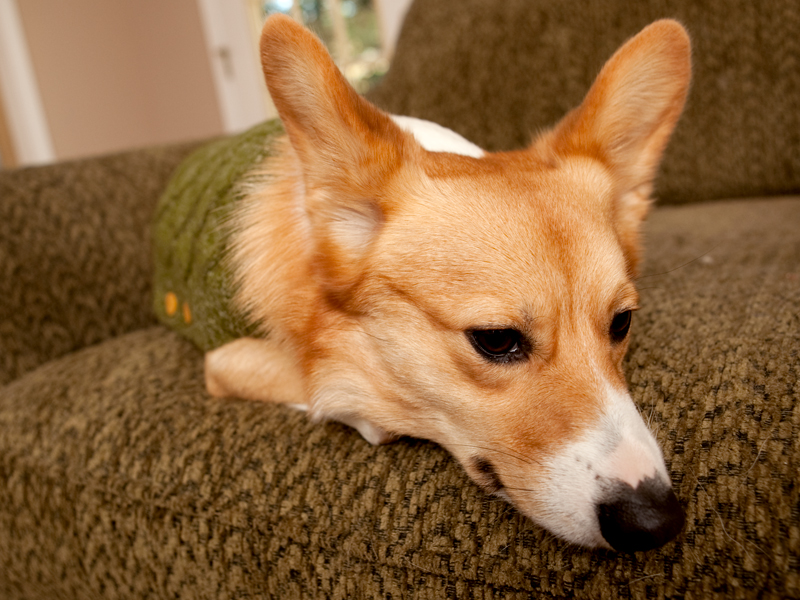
(89, 77)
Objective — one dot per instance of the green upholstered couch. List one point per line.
(121, 478)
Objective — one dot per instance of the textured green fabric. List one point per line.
(121, 478)
(499, 71)
(75, 259)
(192, 291)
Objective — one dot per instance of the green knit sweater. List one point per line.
(193, 284)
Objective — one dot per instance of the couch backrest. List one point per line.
(497, 71)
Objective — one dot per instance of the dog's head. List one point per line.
(485, 302)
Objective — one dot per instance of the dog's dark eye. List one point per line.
(620, 326)
(498, 345)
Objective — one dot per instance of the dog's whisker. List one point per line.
(523, 456)
(649, 287)
(686, 264)
(344, 330)
(650, 416)
(730, 537)
(510, 454)
(760, 450)
(644, 577)
(519, 489)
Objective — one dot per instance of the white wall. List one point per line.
(87, 77)
(118, 75)
(109, 76)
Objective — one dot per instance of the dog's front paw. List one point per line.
(254, 369)
(372, 433)
(214, 383)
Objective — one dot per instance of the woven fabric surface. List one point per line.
(498, 72)
(120, 477)
(193, 286)
(75, 264)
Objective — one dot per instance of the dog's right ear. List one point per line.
(347, 147)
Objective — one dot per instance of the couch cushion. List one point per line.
(496, 72)
(75, 257)
(120, 477)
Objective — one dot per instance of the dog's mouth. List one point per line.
(486, 476)
(610, 488)
(622, 517)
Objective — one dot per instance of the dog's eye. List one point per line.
(498, 345)
(620, 326)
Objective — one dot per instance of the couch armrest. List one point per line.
(75, 257)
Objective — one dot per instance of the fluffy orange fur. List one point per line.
(366, 259)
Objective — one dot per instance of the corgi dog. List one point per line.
(409, 283)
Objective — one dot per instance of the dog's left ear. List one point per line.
(627, 117)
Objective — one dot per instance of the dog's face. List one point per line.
(485, 303)
(500, 330)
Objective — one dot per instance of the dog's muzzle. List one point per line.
(641, 518)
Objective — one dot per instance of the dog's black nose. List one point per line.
(642, 518)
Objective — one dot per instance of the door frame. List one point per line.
(23, 112)
(235, 66)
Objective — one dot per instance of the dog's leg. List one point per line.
(254, 369)
(257, 369)
(372, 433)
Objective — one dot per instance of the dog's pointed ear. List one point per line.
(627, 118)
(347, 148)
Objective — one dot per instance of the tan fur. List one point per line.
(367, 258)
